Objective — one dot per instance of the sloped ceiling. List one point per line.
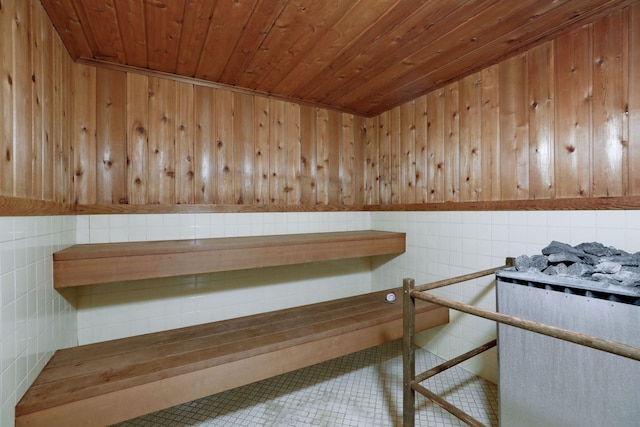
(362, 56)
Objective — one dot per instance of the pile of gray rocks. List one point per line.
(588, 261)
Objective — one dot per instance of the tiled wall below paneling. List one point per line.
(446, 244)
(35, 320)
(123, 309)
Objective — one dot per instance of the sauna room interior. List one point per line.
(464, 131)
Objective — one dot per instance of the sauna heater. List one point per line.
(545, 381)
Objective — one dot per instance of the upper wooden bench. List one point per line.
(112, 262)
(104, 383)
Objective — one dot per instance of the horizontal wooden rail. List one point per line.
(608, 346)
(112, 262)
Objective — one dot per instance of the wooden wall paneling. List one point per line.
(323, 156)
(333, 157)
(293, 188)
(84, 134)
(111, 136)
(435, 146)
(609, 104)
(452, 142)
(133, 32)
(514, 138)
(63, 110)
(408, 152)
(22, 101)
(490, 150)
(573, 67)
(277, 152)
(421, 121)
(384, 157)
(470, 176)
(346, 159)
(185, 144)
(204, 145)
(634, 98)
(359, 135)
(371, 173)
(308, 155)
(37, 107)
(6, 96)
(137, 138)
(243, 145)
(541, 121)
(395, 155)
(261, 163)
(224, 152)
(47, 81)
(161, 141)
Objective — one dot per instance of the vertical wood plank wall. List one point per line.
(560, 120)
(36, 107)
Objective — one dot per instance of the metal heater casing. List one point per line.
(545, 381)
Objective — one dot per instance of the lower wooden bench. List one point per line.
(105, 383)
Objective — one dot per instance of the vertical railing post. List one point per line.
(408, 353)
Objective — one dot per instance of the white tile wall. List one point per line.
(447, 244)
(35, 320)
(117, 310)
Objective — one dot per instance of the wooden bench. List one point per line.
(109, 382)
(112, 262)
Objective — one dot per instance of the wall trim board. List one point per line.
(592, 203)
(16, 206)
(208, 208)
(214, 85)
(597, 203)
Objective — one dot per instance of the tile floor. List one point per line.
(363, 389)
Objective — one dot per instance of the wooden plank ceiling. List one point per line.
(362, 56)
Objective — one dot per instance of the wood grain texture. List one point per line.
(541, 121)
(84, 134)
(572, 152)
(90, 264)
(185, 144)
(470, 153)
(435, 146)
(111, 137)
(137, 138)
(556, 121)
(384, 157)
(451, 143)
(22, 102)
(610, 82)
(490, 138)
(161, 141)
(206, 359)
(633, 109)
(514, 135)
(7, 91)
(421, 134)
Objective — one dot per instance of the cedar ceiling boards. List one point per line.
(359, 56)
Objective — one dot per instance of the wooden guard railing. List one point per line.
(412, 382)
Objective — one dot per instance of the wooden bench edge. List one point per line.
(126, 404)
